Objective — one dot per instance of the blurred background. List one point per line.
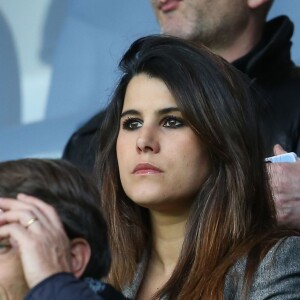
(58, 65)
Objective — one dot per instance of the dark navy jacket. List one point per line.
(64, 286)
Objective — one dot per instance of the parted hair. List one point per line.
(233, 214)
(74, 196)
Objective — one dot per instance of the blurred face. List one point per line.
(12, 282)
(212, 22)
(162, 162)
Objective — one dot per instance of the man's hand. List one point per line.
(285, 182)
(35, 230)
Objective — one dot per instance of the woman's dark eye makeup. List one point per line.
(131, 123)
(172, 122)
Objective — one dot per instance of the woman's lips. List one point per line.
(169, 5)
(146, 169)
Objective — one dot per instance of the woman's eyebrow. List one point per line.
(163, 111)
(130, 112)
(168, 110)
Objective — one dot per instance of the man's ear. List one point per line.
(256, 3)
(80, 256)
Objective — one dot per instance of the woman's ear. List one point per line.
(80, 256)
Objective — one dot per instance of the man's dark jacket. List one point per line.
(64, 286)
(269, 65)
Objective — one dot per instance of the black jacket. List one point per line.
(64, 286)
(269, 65)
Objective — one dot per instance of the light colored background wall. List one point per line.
(58, 61)
(290, 8)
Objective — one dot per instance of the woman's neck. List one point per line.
(168, 234)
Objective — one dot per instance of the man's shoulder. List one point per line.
(285, 90)
(81, 146)
(295, 73)
(92, 124)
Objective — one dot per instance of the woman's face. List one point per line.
(162, 162)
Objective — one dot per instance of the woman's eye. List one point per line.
(172, 122)
(132, 124)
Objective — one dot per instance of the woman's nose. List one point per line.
(147, 141)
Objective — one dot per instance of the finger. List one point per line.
(275, 171)
(15, 232)
(24, 218)
(10, 204)
(43, 207)
(278, 150)
(7, 204)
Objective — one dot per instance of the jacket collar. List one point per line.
(271, 54)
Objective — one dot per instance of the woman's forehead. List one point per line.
(144, 91)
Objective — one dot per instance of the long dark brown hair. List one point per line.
(233, 214)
